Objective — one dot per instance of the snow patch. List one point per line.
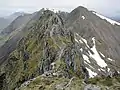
(102, 54)
(109, 20)
(110, 59)
(108, 69)
(83, 17)
(76, 40)
(80, 41)
(91, 73)
(86, 58)
(77, 34)
(81, 49)
(96, 55)
(89, 65)
(85, 41)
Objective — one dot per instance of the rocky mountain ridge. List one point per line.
(64, 53)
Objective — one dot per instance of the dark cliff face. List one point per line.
(54, 46)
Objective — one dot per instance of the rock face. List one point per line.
(62, 51)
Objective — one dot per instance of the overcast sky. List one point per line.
(105, 7)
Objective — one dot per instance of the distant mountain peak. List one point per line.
(80, 9)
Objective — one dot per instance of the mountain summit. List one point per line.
(61, 51)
